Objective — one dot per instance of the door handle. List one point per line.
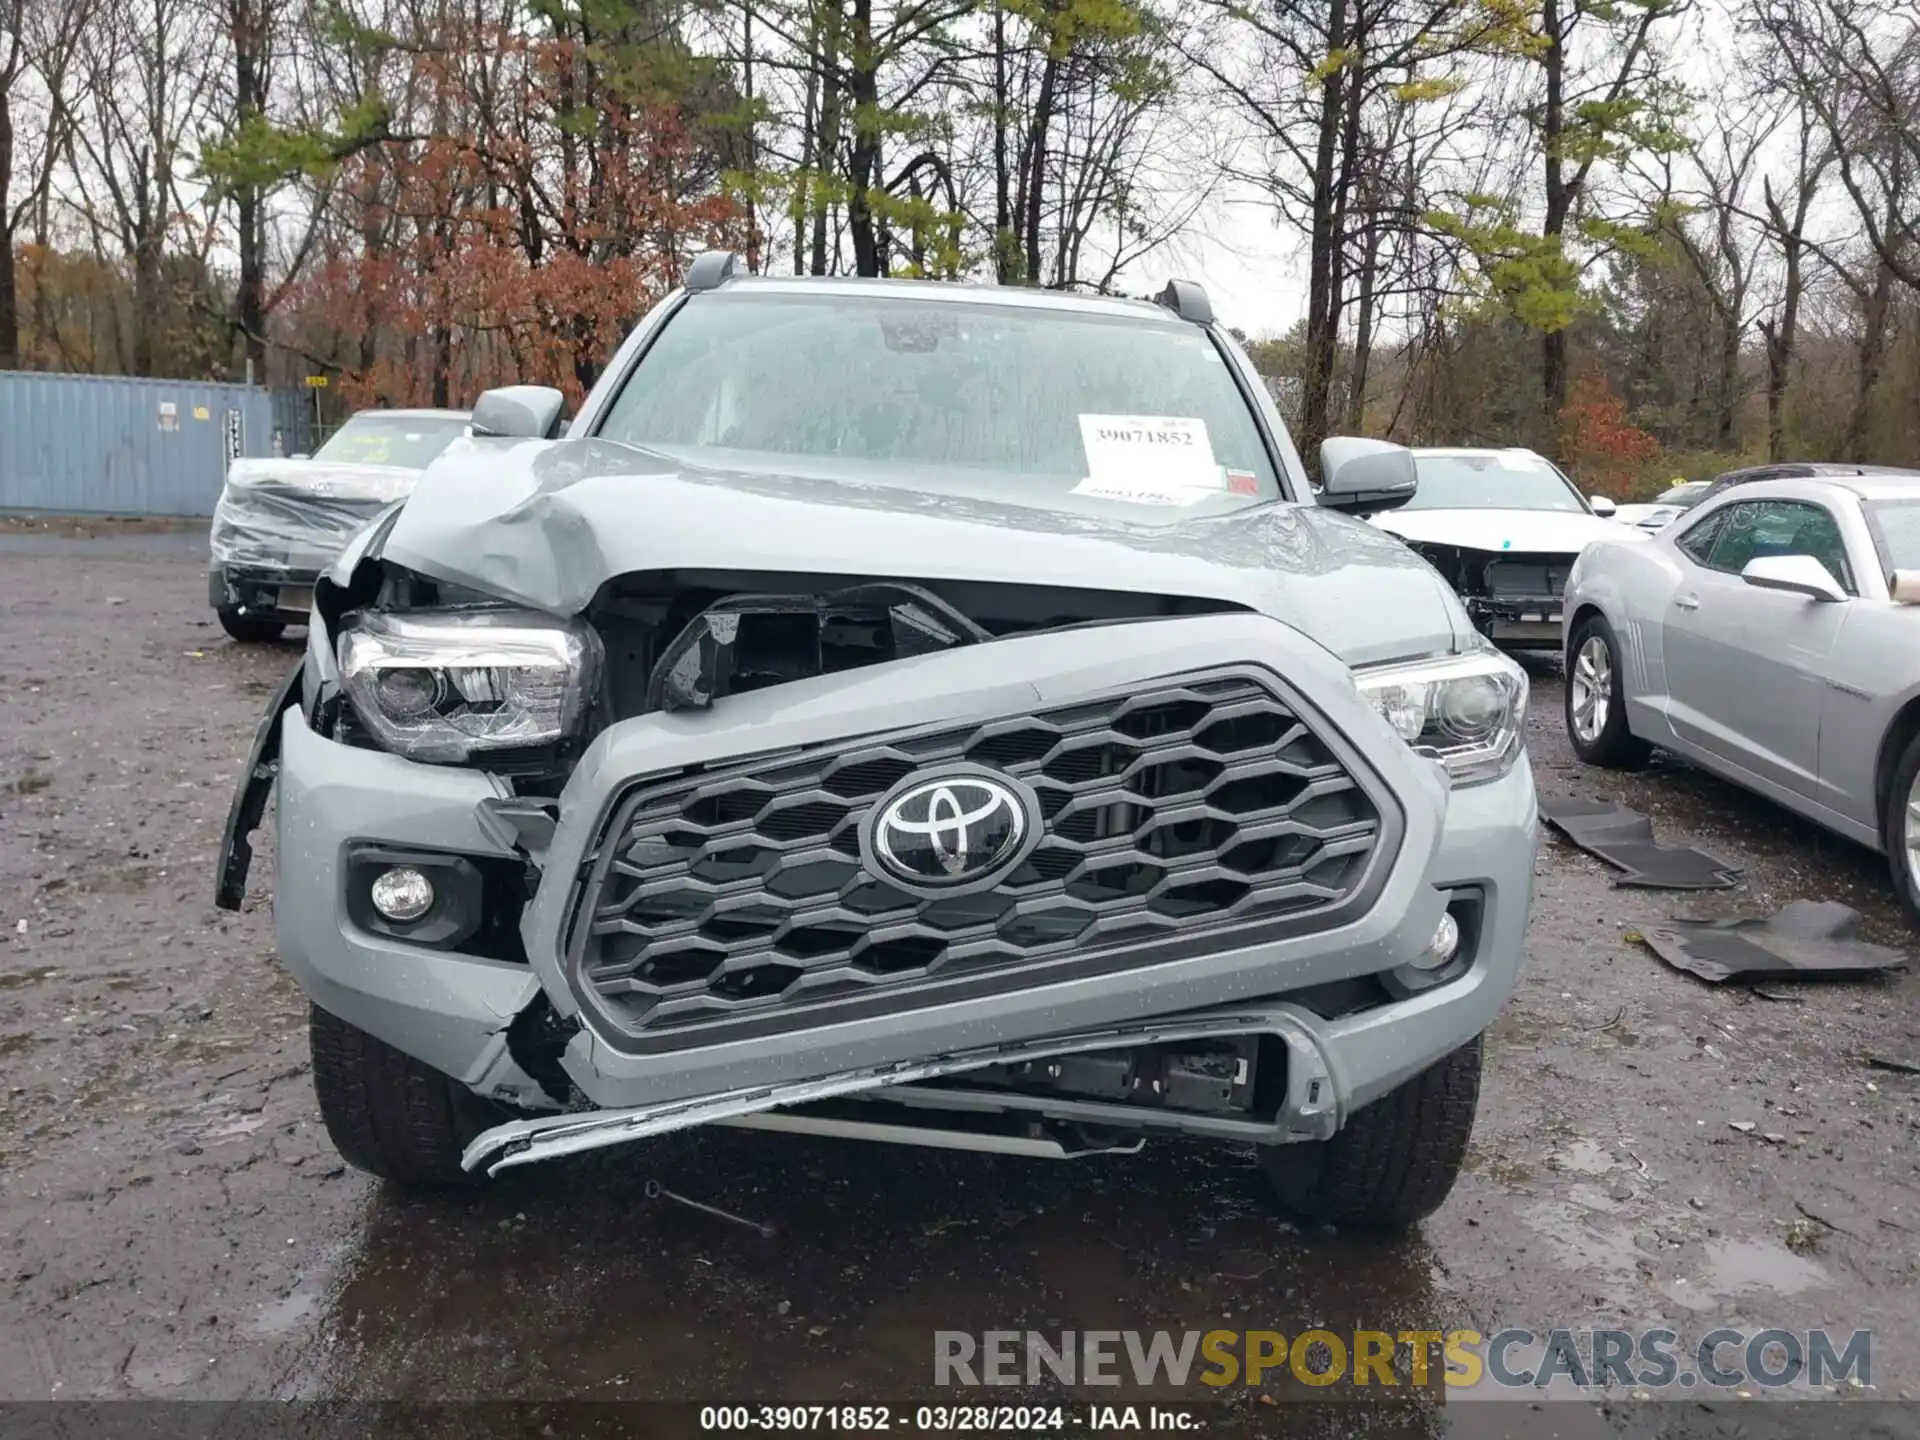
(1687, 602)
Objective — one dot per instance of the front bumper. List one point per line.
(1525, 622)
(452, 1010)
(263, 592)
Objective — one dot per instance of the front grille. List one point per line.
(738, 901)
(1529, 577)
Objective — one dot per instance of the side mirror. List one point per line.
(1362, 477)
(1795, 574)
(518, 412)
(1905, 587)
(1602, 506)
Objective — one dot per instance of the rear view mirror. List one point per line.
(1602, 506)
(1363, 477)
(1906, 587)
(1794, 574)
(518, 412)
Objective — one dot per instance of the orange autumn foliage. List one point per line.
(520, 242)
(1599, 443)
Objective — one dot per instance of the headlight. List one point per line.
(1467, 711)
(441, 684)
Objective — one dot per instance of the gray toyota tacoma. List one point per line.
(924, 713)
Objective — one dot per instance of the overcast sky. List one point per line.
(1255, 271)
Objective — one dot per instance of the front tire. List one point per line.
(1395, 1161)
(1901, 825)
(246, 629)
(1596, 704)
(389, 1114)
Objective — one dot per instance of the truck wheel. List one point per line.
(1596, 709)
(387, 1113)
(1901, 825)
(246, 629)
(1394, 1162)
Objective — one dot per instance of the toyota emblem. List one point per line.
(949, 830)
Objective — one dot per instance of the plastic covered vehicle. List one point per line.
(280, 522)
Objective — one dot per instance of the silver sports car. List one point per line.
(1773, 637)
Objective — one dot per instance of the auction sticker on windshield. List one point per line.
(1148, 459)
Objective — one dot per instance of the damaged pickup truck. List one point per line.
(904, 712)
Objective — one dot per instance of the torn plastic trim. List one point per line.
(695, 667)
(927, 1137)
(524, 824)
(249, 802)
(1311, 1110)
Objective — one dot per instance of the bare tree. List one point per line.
(146, 81)
(1788, 206)
(1724, 250)
(36, 118)
(1855, 64)
(1315, 81)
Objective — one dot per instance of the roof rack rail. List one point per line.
(1187, 300)
(711, 269)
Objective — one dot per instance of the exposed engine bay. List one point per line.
(1513, 597)
(686, 638)
(680, 640)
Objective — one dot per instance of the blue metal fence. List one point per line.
(102, 444)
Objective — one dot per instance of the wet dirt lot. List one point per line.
(174, 1223)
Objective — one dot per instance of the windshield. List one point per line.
(371, 438)
(1896, 524)
(1028, 402)
(1684, 495)
(1495, 481)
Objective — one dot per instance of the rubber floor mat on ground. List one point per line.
(1809, 939)
(1624, 839)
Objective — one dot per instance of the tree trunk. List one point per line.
(1727, 404)
(371, 247)
(1002, 178)
(1034, 166)
(863, 161)
(1363, 328)
(249, 24)
(1323, 278)
(806, 183)
(1781, 339)
(826, 149)
(1876, 307)
(442, 341)
(149, 250)
(1553, 344)
(9, 302)
(752, 138)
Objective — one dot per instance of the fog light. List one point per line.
(1446, 940)
(401, 894)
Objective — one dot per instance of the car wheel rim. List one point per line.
(1593, 698)
(1912, 837)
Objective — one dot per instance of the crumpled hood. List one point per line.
(1552, 532)
(328, 479)
(546, 523)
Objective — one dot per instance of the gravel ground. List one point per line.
(174, 1222)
